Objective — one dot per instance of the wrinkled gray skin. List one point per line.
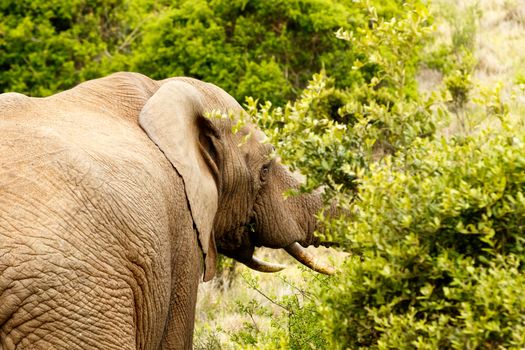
(101, 246)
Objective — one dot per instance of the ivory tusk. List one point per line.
(263, 266)
(307, 259)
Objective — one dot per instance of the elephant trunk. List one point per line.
(308, 206)
(304, 210)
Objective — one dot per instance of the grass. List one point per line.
(243, 300)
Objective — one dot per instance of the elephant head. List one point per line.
(234, 185)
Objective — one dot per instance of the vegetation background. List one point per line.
(409, 113)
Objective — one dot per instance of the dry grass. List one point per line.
(500, 40)
(499, 34)
(497, 42)
(218, 315)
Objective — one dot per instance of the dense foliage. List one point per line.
(268, 49)
(437, 249)
(48, 46)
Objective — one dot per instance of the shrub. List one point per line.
(294, 319)
(437, 237)
(435, 233)
(267, 49)
(48, 46)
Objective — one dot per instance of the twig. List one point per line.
(254, 323)
(267, 297)
(304, 293)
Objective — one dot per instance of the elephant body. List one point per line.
(101, 243)
(86, 210)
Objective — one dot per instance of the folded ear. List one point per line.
(173, 119)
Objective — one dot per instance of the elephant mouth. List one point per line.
(295, 250)
(298, 253)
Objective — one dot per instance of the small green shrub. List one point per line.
(293, 326)
(458, 81)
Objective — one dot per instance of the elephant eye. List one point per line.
(264, 172)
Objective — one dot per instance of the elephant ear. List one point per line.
(173, 119)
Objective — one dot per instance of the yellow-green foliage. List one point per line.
(436, 238)
(331, 133)
(438, 247)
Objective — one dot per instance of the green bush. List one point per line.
(438, 249)
(435, 230)
(47, 46)
(267, 49)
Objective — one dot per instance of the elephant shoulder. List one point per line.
(119, 95)
(59, 175)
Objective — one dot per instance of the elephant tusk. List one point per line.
(307, 259)
(263, 266)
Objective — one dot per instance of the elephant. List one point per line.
(117, 196)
